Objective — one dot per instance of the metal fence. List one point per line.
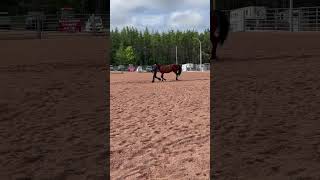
(46, 26)
(279, 19)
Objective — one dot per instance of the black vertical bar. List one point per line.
(38, 27)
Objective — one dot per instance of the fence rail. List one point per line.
(46, 26)
(277, 19)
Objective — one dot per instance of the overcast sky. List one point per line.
(161, 15)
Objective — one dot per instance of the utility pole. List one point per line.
(176, 54)
(200, 54)
(145, 55)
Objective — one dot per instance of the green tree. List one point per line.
(129, 55)
(152, 46)
(125, 56)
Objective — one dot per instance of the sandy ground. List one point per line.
(265, 113)
(161, 129)
(266, 107)
(53, 109)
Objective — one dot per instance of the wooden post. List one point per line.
(94, 25)
(276, 18)
(244, 21)
(213, 5)
(38, 27)
(290, 15)
(317, 13)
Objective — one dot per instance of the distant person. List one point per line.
(155, 67)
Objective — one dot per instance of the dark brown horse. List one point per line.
(219, 29)
(177, 69)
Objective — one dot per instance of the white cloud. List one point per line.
(160, 14)
(151, 20)
(187, 18)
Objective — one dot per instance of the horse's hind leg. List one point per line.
(158, 78)
(163, 77)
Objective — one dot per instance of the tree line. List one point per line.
(131, 46)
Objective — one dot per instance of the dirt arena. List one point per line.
(266, 107)
(160, 129)
(53, 109)
(265, 113)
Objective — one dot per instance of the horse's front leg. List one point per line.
(154, 76)
(214, 41)
(177, 76)
(158, 78)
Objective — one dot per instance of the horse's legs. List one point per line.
(163, 77)
(214, 41)
(157, 77)
(176, 72)
(154, 75)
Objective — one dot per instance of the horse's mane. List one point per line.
(224, 26)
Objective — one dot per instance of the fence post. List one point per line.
(317, 13)
(290, 16)
(276, 18)
(244, 21)
(94, 25)
(38, 27)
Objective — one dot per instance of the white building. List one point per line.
(187, 67)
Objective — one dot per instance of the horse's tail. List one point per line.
(224, 26)
(179, 70)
